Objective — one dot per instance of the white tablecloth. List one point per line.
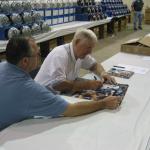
(61, 30)
(127, 128)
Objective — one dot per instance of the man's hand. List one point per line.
(108, 79)
(93, 85)
(99, 71)
(112, 102)
(86, 107)
(86, 85)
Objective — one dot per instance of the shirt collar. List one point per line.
(72, 52)
(17, 69)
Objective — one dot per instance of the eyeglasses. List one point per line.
(38, 54)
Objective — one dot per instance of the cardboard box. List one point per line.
(147, 16)
(147, 21)
(147, 10)
(137, 46)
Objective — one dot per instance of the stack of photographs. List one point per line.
(119, 72)
(105, 91)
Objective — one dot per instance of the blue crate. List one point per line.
(60, 19)
(66, 18)
(48, 20)
(72, 10)
(71, 17)
(48, 13)
(79, 9)
(82, 9)
(81, 17)
(66, 10)
(48, 16)
(61, 11)
(54, 20)
(2, 32)
(109, 13)
(55, 11)
(104, 7)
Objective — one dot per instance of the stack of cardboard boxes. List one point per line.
(137, 46)
(147, 15)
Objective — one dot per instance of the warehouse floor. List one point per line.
(110, 45)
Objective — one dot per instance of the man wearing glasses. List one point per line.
(22, 98)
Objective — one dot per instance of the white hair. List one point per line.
(85, 34)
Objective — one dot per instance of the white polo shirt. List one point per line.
(61, 65)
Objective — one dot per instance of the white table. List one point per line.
(127, 128)
(61, 30)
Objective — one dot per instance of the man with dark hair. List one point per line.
(137, 7)
(22, 98)
(13, 52)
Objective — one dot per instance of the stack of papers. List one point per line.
(135, 69)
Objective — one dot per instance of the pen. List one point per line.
(95, 78)
(118, 67)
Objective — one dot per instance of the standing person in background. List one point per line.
(137, 7)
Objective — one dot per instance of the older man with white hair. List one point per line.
(61, 67)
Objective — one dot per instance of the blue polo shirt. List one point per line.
(21, 97)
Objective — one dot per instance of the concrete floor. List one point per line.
(110, 45)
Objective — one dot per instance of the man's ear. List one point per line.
(24, 62)
(77, 41)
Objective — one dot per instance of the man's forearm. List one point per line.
(82, 108)
(74, 86)
(97, 69)
(64, 86)
(86, 107)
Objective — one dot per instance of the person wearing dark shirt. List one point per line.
(137, 7)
